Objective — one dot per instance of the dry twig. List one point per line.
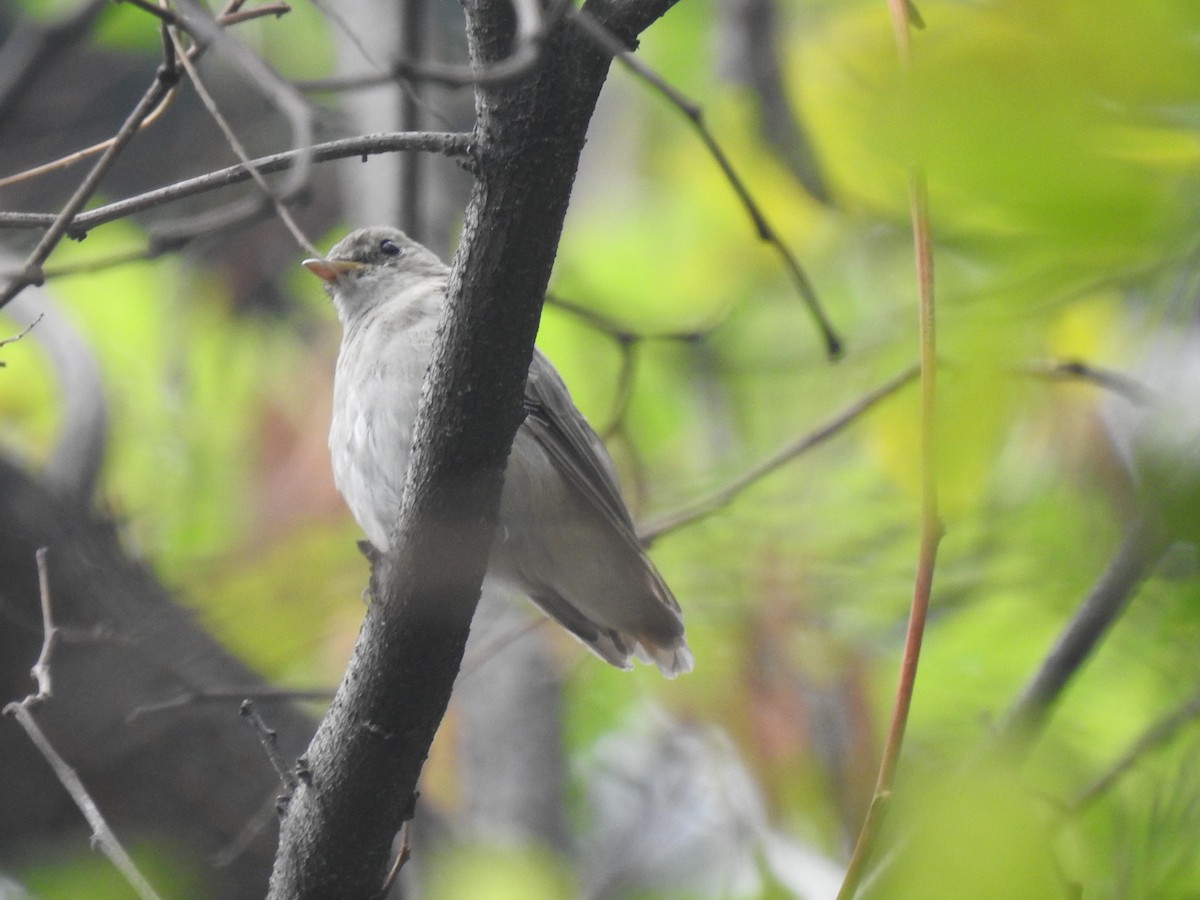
(533, 25)
(236, 145)
(12, 339)
(450, 143)
(722, 496)
(22, 712)
(270, 745)
(695, 115)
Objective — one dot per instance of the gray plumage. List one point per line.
(564, 537)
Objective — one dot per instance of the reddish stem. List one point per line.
(931, 527)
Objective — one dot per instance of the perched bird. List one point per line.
(564, 537)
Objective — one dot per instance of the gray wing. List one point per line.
(576, 450)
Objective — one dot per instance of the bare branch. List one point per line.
(1156, 735)
(256, 693)
(695, 115)
(230, 16)
(102, 835)
(164, 14)
(233, 14)
(282, 94)
(1119, 383)
(22, 711)
(627, 340)
(211, 105)
(619, 332)
(719, 498)
(259, 12)
(13, 338)
(100, 263)
(50, 636)
(751, 29)
(449, 143)
(164, 80)
(270, 745)
(1140, 548)
(532, 28)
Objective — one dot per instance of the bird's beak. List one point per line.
(330, 270)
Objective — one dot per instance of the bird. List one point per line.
(564, 537)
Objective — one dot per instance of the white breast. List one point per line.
(376, 388)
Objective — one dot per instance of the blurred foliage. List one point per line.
(493, 873)
(1061, 149)
(95, 878)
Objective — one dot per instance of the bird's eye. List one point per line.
(389, 248)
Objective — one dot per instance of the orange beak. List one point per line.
(329, 270)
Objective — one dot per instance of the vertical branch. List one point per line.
(412, 39)
(931, 525)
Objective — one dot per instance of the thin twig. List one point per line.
(413, 40)
(533, 25)
(102, 835)
(257, 694)
(176, 19)
(1126, 386)
(695, 115)
(231, 16)
(64, 162)
(450, 143)
(239, 150)
(22, 711)
(721, 497)
(50, 634)
(626, 340)
(481, 656)
(270, 744)
(100, 263)
(40, 673)
(402, 856)
(259, 12)
(13, 338)
(1141, 546)
(254, 826)
(930, 518)
(625, 381)
(1157, 734)
(164, 79)
(164, 14)
(619, 332)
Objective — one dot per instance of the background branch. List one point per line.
(451, 144)
(711, 502)
(102, 835)
(164, 80)
(695, 115)
(1140, 548)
